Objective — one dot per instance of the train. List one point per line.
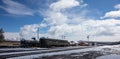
(45, 43)
(29, 43)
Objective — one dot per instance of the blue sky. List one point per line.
(12, 23)
(22, 16)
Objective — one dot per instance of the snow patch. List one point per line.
(112, 56)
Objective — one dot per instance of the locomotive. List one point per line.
(45, 43)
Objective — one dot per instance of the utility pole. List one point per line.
(88, 37)
(63, 37)
(38, 33)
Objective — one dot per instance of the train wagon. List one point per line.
(29, 43)
(48, 42)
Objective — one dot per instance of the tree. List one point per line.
(1, 35)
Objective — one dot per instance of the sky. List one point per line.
(74, 19)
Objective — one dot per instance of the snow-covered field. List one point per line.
(106, 52)
(112, 56)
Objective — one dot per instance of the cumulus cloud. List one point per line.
(16, 8)
(117, 6)
(54, 18)
(60, 29)
(113, 14)
(42, 25)
(12, 36)
(29, 30)
(90, 27)
(63, 4)
(56, 12)
(58, 23)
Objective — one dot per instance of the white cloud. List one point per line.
(84, 5)
(16, 8)
(60, 30)
(77, 27)
(117, 6)
(56, 18)
(63, 4)
(113, 14)
(43, 25)
(56, 15)
(105, 38)
(29, 30)
(12, 36)
(97, 28)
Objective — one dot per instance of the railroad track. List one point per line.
(19, 50)
(32, 52)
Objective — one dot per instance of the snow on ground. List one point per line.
(112, 56)
(114, 48)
